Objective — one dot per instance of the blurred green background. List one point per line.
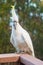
(31, 19)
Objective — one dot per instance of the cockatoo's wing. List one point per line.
(27, 39)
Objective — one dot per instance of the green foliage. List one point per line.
(34, 25)
(5, 45)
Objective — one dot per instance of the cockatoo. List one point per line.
(20, 38)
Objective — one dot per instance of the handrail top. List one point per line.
(23, 58)
(30, 60)
(9, 55)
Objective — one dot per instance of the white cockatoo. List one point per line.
(20, 38)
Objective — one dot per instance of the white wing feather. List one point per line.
(27, 38)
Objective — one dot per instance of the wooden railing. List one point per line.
(19, 59)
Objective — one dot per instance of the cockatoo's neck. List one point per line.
(18, 25)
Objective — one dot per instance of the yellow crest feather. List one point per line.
(13, 7)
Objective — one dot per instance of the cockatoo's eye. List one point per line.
(14, 24)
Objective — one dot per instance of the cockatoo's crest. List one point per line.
(13, 7)
(14, 15)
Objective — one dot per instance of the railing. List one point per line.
(19, 59)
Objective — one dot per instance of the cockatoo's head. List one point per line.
(14, 18)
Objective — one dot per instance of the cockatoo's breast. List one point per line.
(19, 39)
(17, 35)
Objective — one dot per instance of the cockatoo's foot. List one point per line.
(17, 53)
(20, 52)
